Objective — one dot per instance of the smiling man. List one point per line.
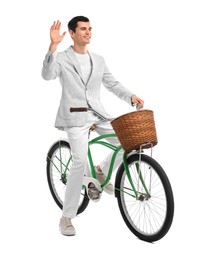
(81, 75)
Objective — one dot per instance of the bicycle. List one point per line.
(142, 188)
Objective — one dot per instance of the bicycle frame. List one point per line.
(116, 149)
(99, 140)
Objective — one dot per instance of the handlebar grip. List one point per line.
(78, 109)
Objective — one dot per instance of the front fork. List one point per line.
(138, 195)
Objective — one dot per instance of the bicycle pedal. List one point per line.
(93, 193)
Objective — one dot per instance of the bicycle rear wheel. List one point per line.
(58, 165)
(148, 210)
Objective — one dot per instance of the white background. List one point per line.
(157, 49)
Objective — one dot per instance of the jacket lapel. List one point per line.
(72, 57)
(92, 66)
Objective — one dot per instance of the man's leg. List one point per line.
(78, 140)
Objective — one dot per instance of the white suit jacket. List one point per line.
(75, 93)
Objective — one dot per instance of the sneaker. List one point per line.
(66, 228)
(101, 178)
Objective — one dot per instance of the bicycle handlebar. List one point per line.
(85, 109)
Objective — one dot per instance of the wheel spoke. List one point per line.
(147, 214)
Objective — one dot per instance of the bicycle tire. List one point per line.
(154, 215)
(58, 198)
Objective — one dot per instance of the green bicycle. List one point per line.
(142, 188)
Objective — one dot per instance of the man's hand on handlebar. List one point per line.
(136, 100)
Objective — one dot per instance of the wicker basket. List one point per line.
(135, 129)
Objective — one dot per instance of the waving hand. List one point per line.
(55, 36)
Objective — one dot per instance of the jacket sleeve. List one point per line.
(116, 87)
(51, 67)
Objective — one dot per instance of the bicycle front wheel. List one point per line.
(58, 166)
(145, 198)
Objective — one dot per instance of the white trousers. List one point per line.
(78, 140)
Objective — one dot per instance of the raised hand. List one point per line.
(55, 36)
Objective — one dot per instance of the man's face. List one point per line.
(82, 34)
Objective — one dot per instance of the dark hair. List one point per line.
(72, 24)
